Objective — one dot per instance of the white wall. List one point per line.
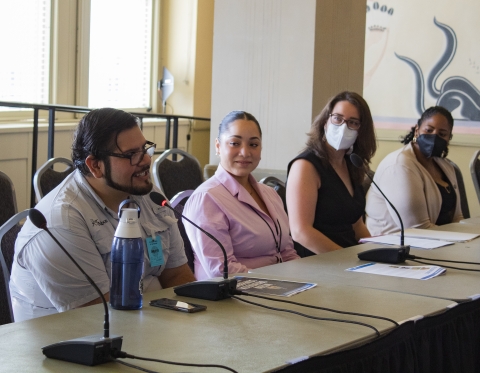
(263, 61)
(281, 60)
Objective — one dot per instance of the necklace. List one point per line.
(446, 187)
(250, 192)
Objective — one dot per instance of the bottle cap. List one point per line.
(128, 226)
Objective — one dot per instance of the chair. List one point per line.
(367, 181)
(8, 235)
(209, 170)
(173, 176)
(178, 203)
(261, 173)
(475, 171)
(8, 199)
(461, 190)
(279, 186)
(46, 178)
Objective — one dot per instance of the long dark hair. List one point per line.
(430, 112)
(366, 144)
(97, 132)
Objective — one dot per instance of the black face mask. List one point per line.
(431, 145)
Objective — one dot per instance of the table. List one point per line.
(242, 336)
(451, 341)
(455, 285)
(475, 220)
(466, 226)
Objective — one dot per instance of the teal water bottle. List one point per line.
(127, 261)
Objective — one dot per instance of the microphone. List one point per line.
(90, 350)
(384, 255)
(209, 290)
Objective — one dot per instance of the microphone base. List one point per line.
(90, 350)
(386, 255)
(208, 290)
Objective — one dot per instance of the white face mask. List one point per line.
(340, 137)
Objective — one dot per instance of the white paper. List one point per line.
(414, 272)
(471, 220)
(420, 243)
(439, 235)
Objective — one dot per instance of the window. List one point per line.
(92, 53)
(25, 46)
(120, 53)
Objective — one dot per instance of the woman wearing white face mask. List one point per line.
(325, 198)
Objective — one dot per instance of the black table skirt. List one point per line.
(448, 343)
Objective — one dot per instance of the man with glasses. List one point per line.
(112, 160)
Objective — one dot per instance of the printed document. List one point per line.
(415, 272)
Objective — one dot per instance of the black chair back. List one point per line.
(8, 236)
(461, 190)
(174, 176)
(46, 178)
(367, 182)
(178, 203)
(8, 199)
(475, 172)
(279, 186)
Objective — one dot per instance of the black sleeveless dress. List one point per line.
(336, 209)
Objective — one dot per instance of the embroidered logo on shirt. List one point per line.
(98, 222)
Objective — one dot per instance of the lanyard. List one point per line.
(278, 244)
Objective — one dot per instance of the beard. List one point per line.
(130, 189)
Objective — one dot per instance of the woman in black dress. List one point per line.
(325, 197)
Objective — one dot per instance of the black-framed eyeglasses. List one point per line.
(338, 120)
(136, 157)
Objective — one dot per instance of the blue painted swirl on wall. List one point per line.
(455, 92)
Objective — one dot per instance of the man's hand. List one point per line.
(176, 276)
(97, 301)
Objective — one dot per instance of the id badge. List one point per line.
(155, 252)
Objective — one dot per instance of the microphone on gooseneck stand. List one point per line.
(209, 290)
(398, 255)
(384, 255)
(90, 350)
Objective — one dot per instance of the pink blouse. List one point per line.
(250, 237)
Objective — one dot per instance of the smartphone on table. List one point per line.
(177, 305)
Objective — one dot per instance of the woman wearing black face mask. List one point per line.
(417, 179)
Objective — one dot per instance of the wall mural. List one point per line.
(414, 61)
(455, 91)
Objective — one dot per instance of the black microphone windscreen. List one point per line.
(356, 160)
(37, 218)
(157, 198)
